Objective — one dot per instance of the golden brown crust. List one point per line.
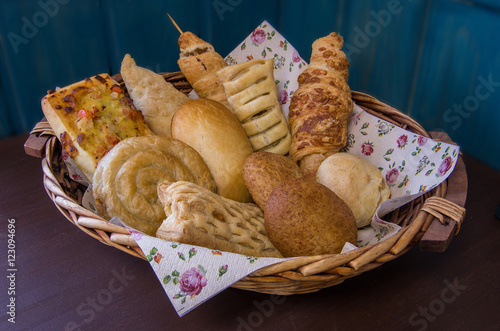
(251, 91)
(199, 63)
(190, 44)
(322, 104)
(263, 171)
(197, 216)
(152, 94)
(90, 117)
(126, 179)
(305, 218)
(214, 131)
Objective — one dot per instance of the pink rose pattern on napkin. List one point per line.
(266, 43)
(189, 274)
(410, 163)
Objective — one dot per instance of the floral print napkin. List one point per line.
(266, 43)
(190, 275)
(411, 165)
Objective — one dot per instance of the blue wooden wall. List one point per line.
(438, 61)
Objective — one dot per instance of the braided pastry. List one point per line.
(125, 181)
(197, 216)
(321, 106)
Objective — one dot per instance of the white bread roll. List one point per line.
(217, 135)
(356, 181)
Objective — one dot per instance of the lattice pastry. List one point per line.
(251, 91)
(125, 181)
(197, 216)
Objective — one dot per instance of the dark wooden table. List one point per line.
(66, 280)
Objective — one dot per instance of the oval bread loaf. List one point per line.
(213, 130)
(304, 217)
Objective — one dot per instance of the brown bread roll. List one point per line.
(304, 217)
(263, 171)
(215, 132)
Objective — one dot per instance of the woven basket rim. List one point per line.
(300, 275)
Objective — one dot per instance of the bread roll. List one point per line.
(304, 217)
(214, 131)
(263, 171)
(356, 181)
(152, 94)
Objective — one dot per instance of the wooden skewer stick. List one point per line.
(175, 24)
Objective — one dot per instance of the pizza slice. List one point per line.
(90, 117)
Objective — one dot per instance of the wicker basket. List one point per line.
(302, 275)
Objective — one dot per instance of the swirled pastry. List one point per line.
(251, 91)
(320, 107)
(197, 216)
(126, 179)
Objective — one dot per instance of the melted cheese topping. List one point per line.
(99, 115)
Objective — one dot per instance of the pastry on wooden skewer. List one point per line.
(321, 106)
(199, 63)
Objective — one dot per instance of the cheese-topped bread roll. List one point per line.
(251, 91)
(152, 94)
(321, 106)
(126, 179)
(90, 117)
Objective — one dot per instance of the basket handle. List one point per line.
(448, 211)
(35, 144)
